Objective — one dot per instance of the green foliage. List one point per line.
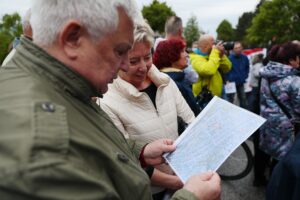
(10, 27)
(243, 24)
(277, 21)
(191, 31)
(157, 13)
(4, 44)
(261, 2)
(225, 31)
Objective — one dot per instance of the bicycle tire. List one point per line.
(246, 170)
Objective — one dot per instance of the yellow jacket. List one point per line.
(209, 68)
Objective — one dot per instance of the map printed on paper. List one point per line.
(217, 131)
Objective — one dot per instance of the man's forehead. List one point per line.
(237, 46)
(123, 35)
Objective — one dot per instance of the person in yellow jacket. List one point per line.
(209, 61)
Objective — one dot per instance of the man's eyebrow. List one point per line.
(124, 46)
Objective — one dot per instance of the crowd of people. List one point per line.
(88, 109)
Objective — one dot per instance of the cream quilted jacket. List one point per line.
(135, 115)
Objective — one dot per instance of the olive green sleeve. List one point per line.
(136, 146)
(55, 180)
(36, 162)
(183, 194)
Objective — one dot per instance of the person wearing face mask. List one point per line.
(144, 104)
(209, 61)
(280, 100)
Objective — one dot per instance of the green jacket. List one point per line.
(209, 68)
(55, 143)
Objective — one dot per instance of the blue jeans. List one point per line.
(240, 94)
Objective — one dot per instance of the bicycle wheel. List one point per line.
(238, 164)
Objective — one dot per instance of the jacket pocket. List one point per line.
(50, 131)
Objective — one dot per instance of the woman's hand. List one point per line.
(153, 151)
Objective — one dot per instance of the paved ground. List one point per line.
(242, 189)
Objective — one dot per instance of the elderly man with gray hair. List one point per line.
(173, 30)
(210, 62)
(55, 142)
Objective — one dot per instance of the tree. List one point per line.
(225, 31)
(157, 13)
(191, 31)
(277, 21)
(10, 27)
(243, 24)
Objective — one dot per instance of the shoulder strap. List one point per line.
(283, 108)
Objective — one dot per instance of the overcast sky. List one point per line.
(209, 13)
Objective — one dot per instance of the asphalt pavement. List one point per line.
(241, 189)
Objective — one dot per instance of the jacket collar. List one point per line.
(199, 52)
(176, 76)
(170, 69)
(128, 90)
(55, 71)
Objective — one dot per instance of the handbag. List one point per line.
(204, 97)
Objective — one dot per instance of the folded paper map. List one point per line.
(207, 142)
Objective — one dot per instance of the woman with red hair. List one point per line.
(171, 58)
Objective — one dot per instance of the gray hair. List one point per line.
(143, 33)
(99, 17)
(258, 58)
(173, 25)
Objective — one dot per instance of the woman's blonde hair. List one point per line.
(143, 33)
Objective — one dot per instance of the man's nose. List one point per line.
(124, 65)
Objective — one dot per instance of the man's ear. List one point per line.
(70, 38)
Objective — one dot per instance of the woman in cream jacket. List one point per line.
(144, 104)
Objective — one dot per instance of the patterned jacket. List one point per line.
(277, 134)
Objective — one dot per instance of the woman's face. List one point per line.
(295, 63)
(182, 62)
(140, 61)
